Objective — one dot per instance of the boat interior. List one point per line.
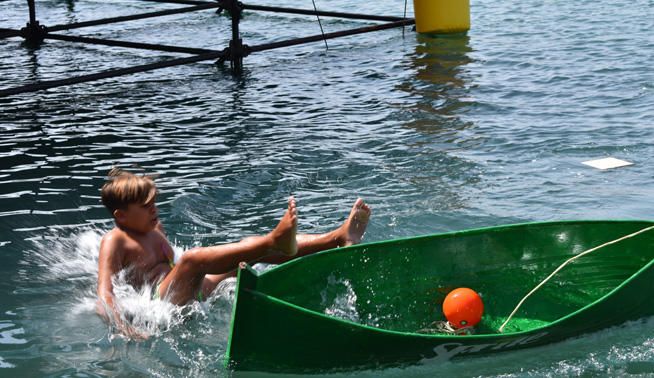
(400, 285)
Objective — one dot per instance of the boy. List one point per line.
(138, 244)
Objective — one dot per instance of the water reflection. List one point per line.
(437, 99)
(440, 59)
(70, 7)
(439, 84)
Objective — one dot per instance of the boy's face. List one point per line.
(137, 217)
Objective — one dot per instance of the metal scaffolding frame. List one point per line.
(34, 34)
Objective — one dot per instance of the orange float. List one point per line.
(463, 307)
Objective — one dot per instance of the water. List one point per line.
(437, 134)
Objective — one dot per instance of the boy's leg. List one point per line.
(349, 233)
(185, 280)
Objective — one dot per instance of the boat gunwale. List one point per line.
(454, 233)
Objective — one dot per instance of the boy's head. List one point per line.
(130, 200)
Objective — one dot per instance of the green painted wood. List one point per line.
(296, 317)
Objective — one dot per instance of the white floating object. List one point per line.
(607, 163)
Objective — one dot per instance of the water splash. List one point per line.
(61, 275)
(149, 316)
(66, 259)
(339, 299)
(69, 264)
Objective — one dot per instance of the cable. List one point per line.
(405, 2)
(320, 23)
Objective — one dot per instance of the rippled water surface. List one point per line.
(436, 133)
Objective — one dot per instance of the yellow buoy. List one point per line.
(442, 16)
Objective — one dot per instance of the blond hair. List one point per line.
(123, 187)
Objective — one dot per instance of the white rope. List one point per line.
(566, 263)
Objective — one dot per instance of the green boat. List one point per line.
(370, 305)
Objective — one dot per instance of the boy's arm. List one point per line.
(110, 263)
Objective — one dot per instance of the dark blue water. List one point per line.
(437, 134)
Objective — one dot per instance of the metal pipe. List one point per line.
(32, 11)
(236, 44)
(316, 38)
(132, 17)
(107, 74)
(308, 12)
(135, 45)
(187, 2)
(235, 52)
(8, 33)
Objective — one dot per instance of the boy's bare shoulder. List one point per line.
(114, 241)
(116, 235)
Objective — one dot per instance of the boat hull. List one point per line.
(276, 334)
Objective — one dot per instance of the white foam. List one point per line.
(5, 365)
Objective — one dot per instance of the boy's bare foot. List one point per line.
(355, 226)
(284, 235)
